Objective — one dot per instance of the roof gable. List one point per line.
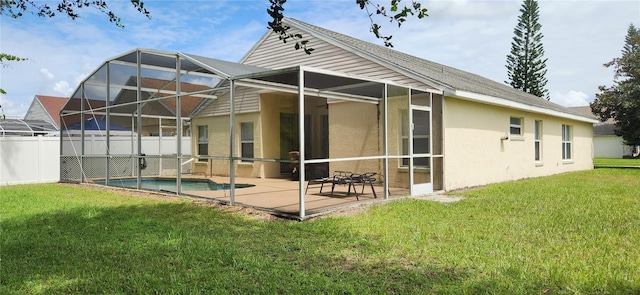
(52, 105)
(328, 55)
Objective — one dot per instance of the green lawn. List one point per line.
(574, 233)
(606, 162)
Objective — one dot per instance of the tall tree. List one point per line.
(526, 65)
(621, 101)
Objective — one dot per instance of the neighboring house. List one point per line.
(606, 144)
(161, 109)
(160, 114)
(467, 130)
(76, 118)
(46, 108)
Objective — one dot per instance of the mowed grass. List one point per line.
(609, 162)
(575, 233)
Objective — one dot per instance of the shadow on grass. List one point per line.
(179, 248)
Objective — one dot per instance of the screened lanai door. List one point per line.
(421, 153)
(427, 157)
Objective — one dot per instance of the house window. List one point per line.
(203, 141)
(538, 141)
(246, 141)
(566, 142)
(515, 126)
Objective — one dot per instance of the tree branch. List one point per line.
(17, 8)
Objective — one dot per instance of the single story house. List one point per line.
(351, 107)
(46, 108)
(467, 130)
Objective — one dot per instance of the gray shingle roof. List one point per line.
(585, 111)
(604, 129)
(431, 72)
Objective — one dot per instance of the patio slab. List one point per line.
(281, 196)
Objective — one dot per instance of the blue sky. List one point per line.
(475, 36)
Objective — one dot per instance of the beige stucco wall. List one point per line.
(476, 155)
(249, 169)
(218, 127)
(354, 132)
(272, 104)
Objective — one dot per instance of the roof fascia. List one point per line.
(471, 96)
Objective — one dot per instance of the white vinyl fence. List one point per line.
(37, 159)
(25, 159)
(125, 145)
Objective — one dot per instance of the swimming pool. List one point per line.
(168, 184)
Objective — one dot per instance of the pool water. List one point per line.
(162, 184)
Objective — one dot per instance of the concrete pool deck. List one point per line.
(280, 196)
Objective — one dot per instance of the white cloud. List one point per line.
(46, 82)
(49, 85)
(46, 75)
(571, 99)
(14, 108)
(6, 105)
(63, 88)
